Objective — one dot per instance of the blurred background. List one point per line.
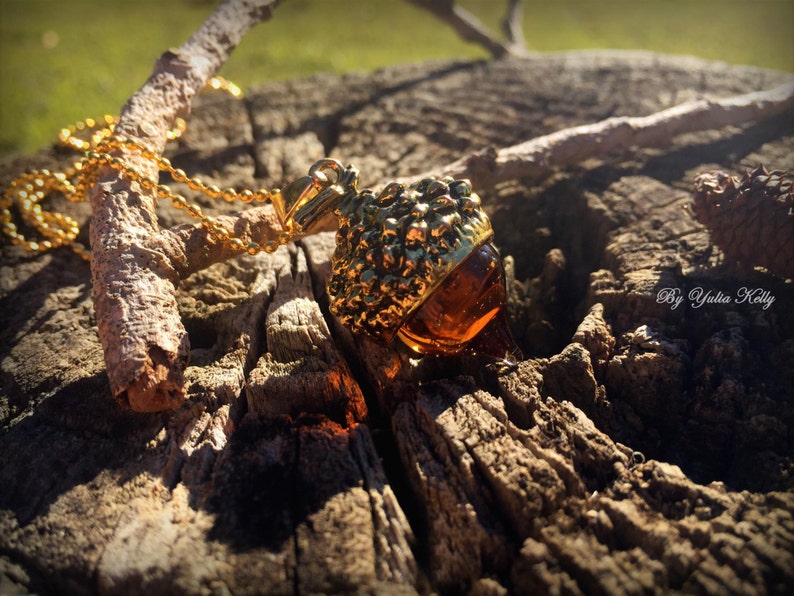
(62, 61)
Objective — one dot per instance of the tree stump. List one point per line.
(639, 448)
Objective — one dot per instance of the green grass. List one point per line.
(61, 61)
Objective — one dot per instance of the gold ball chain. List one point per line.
(27, 191)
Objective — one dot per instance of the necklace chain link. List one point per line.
(25, 193)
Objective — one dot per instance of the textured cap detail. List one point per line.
(394, 248)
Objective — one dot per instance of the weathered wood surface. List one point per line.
(638, 448)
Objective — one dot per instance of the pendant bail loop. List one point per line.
(307, 200)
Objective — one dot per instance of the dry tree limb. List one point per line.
(144, 341)
(190, 247)
(538, 156)
(512, 27)
(465, 24)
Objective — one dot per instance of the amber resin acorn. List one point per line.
(412, 262)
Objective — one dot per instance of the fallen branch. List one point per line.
(469, 27)
(512, 27)
(536, 157)
(190, 247)
(144, 342)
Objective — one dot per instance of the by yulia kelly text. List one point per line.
(698, 297)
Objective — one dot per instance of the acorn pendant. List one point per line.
(413, 263)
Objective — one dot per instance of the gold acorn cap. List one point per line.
(394, 249)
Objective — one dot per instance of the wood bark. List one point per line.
(638, 448)
(133, 281)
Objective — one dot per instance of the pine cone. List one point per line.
(752, 219)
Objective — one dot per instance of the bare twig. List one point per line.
(190, 247)
(465, 24)
(536, 157)
(144, 341)
(512, 27)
